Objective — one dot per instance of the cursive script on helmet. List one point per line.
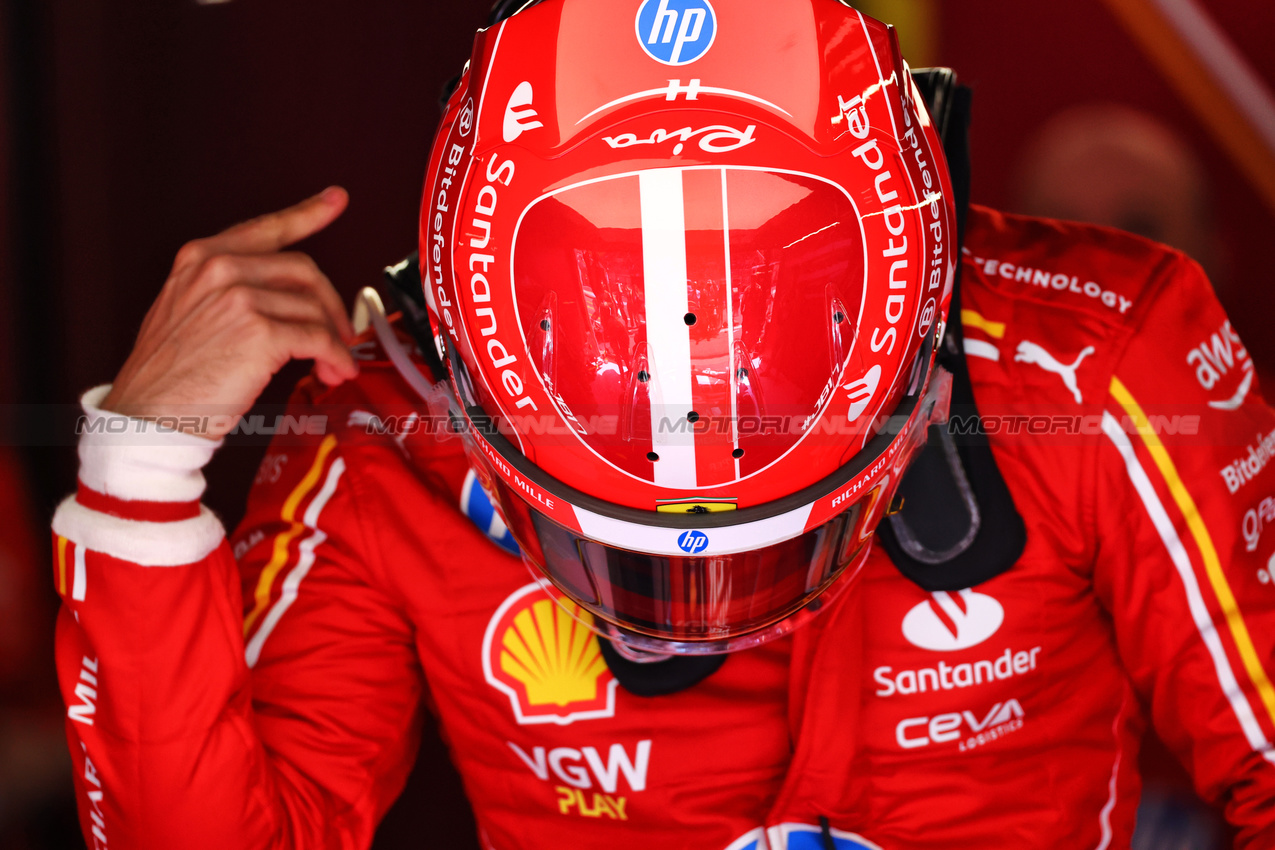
(717, 138)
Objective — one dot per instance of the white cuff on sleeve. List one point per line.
(149, 544)
(139, 460)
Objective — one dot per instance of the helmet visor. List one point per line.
(701, 603)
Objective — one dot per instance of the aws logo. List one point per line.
(540, 652)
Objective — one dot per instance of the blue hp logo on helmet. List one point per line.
(692, 542)
(676, 32)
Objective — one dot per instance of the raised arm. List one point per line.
(192, 723)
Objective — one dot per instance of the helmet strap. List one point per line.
(957, 525)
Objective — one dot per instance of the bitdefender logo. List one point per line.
(465, 122)
(676, 32)
(1239, 472)
(947, 622)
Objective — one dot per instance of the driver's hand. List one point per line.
(234, 310)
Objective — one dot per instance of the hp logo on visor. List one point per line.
(676, 32)
(692, 542)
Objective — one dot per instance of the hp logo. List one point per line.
(692, 542)
(676, 32)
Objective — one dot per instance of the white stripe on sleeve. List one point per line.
(1195, 600)
(305, 560)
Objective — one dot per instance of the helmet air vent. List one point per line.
(840, 335)
(547, 325)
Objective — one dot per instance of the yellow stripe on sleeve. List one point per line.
(61, 565)
(1212, 565)
(279, 555)
(970, 319)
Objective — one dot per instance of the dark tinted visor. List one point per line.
(693, 598)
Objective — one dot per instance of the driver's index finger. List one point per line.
(277, 230)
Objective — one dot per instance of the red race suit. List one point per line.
(266, 691)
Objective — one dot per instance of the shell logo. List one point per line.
(540, 653)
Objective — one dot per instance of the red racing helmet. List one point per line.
(689, 263)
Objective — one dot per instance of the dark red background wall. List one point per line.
(148, 122)
(130, 126)
(1027, 61)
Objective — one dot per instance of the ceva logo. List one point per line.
(947, 622)
(692, 542)
(540, 652)
(676, 32)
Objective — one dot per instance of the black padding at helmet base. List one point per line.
(659, 678)
(957, 525)
(403, 284)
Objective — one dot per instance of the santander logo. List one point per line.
(862, 391)
(520, 115)
(947, 621)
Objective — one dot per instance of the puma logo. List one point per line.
(1030, 352)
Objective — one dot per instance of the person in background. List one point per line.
(1140, 176)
